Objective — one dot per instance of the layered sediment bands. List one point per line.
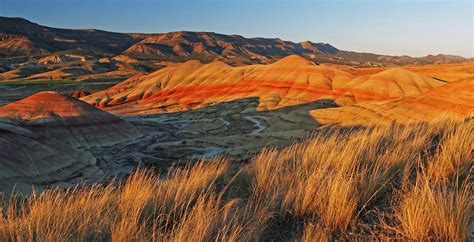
(291, 81)
(441, 72)
(447, 72)
(28, 159)
(453, 100)
(68, 120)
(388, 84)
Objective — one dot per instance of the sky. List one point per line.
(394, 27)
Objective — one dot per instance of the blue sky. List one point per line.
(396, 27)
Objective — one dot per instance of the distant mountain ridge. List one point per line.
(20, 37)
(40, 39)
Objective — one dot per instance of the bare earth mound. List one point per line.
(290, 81)
(453, 100)
(388, 84)
(30, 159)
(68, 119)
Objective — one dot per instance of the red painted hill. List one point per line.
(290, 81)
(453, 100)
(387, 84)
(68, 119)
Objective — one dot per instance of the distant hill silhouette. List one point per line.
(20, 37)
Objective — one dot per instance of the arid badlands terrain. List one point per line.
(114, 101)
(86, 105)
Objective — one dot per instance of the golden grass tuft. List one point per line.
(435, 212)
(395, 182)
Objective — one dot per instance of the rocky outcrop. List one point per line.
(79, 93)
(61, 58)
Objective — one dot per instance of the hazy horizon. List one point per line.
(394, 27)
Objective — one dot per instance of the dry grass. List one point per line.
(394, 182)
(435, 212)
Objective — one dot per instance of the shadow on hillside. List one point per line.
(236, 129)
